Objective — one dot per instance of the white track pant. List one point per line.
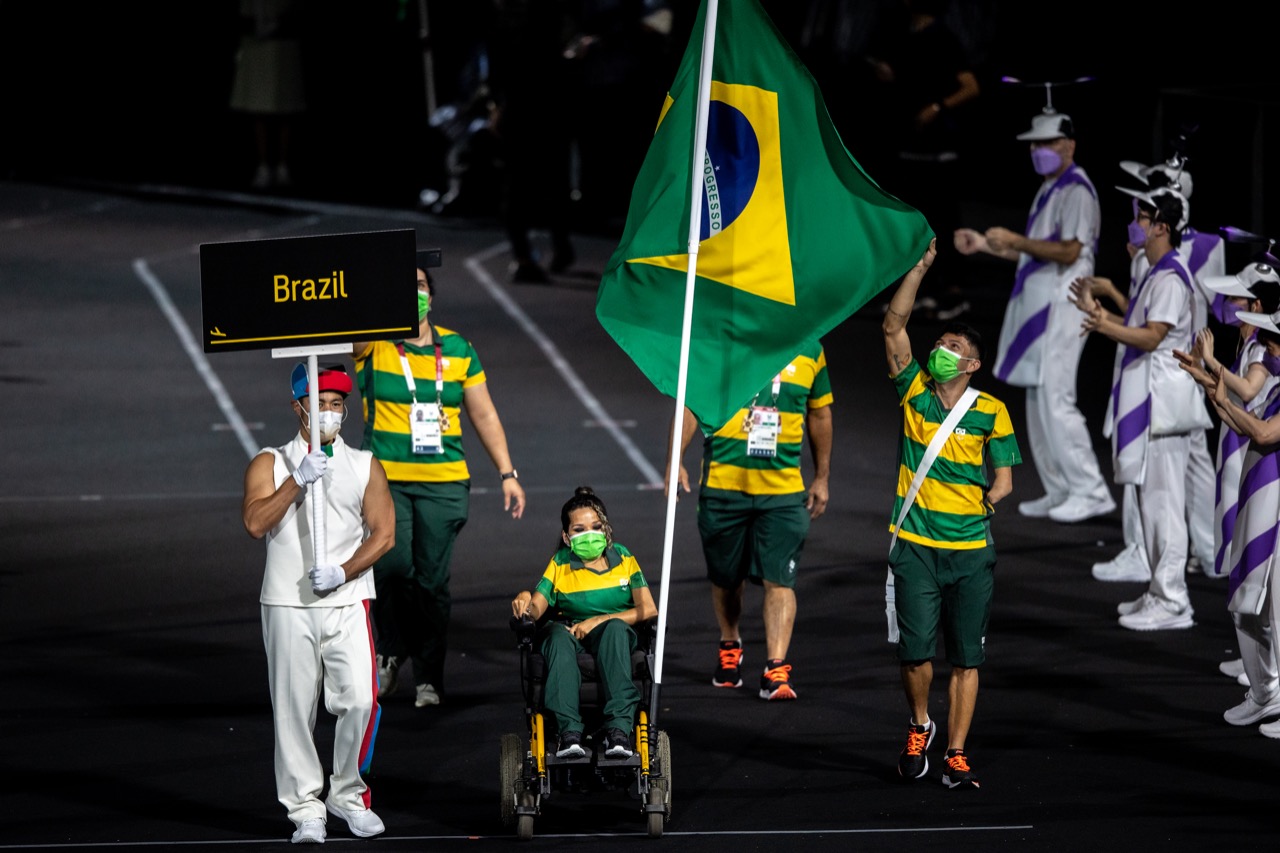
(1162, 503)
(1201, 489)
(1253, 633)
(310, 649)
(1057, 434)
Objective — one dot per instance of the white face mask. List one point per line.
(330, 424)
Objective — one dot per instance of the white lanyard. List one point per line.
(408, 374)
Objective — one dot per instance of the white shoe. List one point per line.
(262, 177)
(1232, 668)
(1039, 508)
(283, 179)
(1243, 679)
(388, 672)
(427, 695)
(1129, 565)
(1250, 711)
(1194, 567)
(1077, 508)
(1155, 616)
(363, 823)
(310, 831)
(1124, 608)
(1271, 729)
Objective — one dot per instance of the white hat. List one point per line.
(1049, 125)
(1270, 322)
(1172, 174)
(1241, 284)
(1153, 197)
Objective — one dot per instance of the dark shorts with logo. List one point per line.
(752, 537)
(943, 587)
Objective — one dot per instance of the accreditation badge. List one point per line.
(425, 428)
(763, 425)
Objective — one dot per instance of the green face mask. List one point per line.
(589, 545)
(944, 365)
(424, 305)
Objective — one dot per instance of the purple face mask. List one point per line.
(1137, 237)
(1271, 363)
(1045, 160)
(1227, 312)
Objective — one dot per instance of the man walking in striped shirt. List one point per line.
(943, 558)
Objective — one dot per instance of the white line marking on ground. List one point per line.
(197, 356)
(386, 838)
(475, 265)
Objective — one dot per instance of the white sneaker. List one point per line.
(1124, 608)
(1271, 729)
(1155, 616)
(262, 177)
(1243, 679)
(1039, 508)
(363, 822)
(1250, 711)
(388, 673)
(1194, 567)
(1232, 668)
(427, 695)
(1077, 508)
(310, 831)
(1129, 565)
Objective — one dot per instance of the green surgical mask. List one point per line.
(424, 305)
(944, 365)
(588, 545)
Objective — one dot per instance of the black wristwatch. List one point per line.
(513, 474)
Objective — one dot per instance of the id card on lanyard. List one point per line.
(763, 424)
(427, 421)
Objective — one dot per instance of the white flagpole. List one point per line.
(319, 533)
(697, 162)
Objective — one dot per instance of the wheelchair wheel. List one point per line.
(509, 776)
(660, 789)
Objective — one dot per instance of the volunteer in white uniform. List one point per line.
(1155, 405)
(1205, 257)
(315, 607)
(1040, 342)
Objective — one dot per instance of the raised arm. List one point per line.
(897, 345)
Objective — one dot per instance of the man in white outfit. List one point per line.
(1204, 255)
(1155, 406)
(1040, 342)
(315, 607)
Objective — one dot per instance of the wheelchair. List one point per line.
(530, 772)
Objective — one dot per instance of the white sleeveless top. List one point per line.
(289, 552)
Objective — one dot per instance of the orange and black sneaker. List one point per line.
(912, 761)
(958, 771)
(776, 681)
(729, 673)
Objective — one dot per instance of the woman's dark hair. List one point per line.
(1266, 336)
(1268, 293)
(585, 498)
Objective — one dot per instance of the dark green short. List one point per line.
(947, 587)
(752, 537)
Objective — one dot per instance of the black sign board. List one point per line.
(303, 291)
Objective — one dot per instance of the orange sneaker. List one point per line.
(729, 674)
(776, 681)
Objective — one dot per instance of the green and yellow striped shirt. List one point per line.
(575, 592)
(951, 508)
(386, 400)
(725, 464)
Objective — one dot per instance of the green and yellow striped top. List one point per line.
(386, 400)
(725, 464)
(951, 508)
(575, 592)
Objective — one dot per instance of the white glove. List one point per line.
(311, 468)
(326, 578)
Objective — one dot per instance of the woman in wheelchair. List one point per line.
(595, 592)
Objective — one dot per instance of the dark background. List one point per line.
(137, 93)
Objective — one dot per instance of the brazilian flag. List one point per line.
(795, 235)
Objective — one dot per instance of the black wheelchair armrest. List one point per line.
(646, 633)
(525, 628)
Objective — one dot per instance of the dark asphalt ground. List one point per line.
(134, 704)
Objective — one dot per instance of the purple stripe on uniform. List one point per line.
(1256, 552)
(1133, 425)
(1202, 246)
(1027, 335)
(1261, 474)
(1228, 530)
